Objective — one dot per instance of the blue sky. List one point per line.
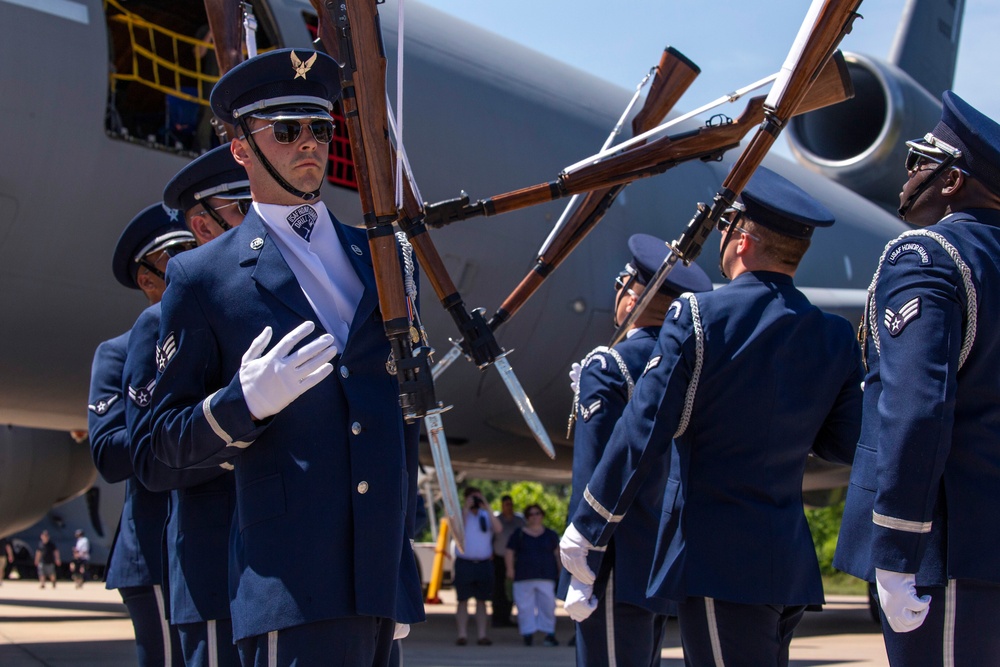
(734, 42)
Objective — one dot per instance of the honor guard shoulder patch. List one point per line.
(588, 411)
(101, 407)
(908, 248)
(675, 310)
(302, 221)
(302, 68)
(142, 396)
(165, 351)
(895, 322)
(651, 364)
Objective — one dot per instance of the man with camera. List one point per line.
(474, 566)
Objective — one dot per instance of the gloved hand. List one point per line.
(897, 593)
(580, 601)
(573, 549)
(401, 631)
(574, 377)
(272, 381)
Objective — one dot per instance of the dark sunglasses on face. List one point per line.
(288, 131)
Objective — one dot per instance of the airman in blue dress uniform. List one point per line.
(212, 192)
(744, 382)
(919, 522)
(135, 564)
(321, 564)
(628, 626)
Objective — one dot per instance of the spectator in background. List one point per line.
(6, 557)
(502, 603)
(474, 567)
(47, 560)
(81, 557)
(533, 563)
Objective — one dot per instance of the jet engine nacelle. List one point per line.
(860, 143)
(39, 469)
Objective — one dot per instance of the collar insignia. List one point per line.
(302, 221)
(142, 396)
(676, 309)
(302, 68)
(896, 322)
(588, 411)
(257, 243)
(653, 363)
(166, 351)
(101, 407)
(356, 249)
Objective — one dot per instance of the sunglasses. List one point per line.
(288, 131)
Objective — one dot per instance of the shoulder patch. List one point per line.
(165, 351)
(895, 321)
(596, 356)
(142, 396)
(676, 308)
(588, 411)
(909, 248)
(651, 364)
(101, 406)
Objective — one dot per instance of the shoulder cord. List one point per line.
(699, 360)
(410, 288)
(971, 297)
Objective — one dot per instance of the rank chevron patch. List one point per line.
(895, 322)
(165, 351)
(588, 411)
(101, 407)
(142, 396)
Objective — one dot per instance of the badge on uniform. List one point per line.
(165, 351)
(651, 364)
(302, 68)
(101, 407)
(588, 411)
(302, 221)
(895, 322)
(675, 310)
(142, 396)
(908, 248)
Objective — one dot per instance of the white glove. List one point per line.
(580, 601)
(573, 549)
(574, 378)
(272, 381)
(401, 631)
(897, 593)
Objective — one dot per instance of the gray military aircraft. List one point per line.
(92, 129)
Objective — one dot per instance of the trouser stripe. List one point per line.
(948, 641)
(213, 644)
(272, 648)
(713, 632)
(609, 620)
(164, 626)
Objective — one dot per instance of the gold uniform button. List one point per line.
(356, 428)
(363, 488)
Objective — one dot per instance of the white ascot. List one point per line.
(309, 244)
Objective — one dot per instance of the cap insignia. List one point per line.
(302, 68)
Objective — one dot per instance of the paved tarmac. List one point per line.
(89, 627)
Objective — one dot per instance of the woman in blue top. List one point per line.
(533, 563)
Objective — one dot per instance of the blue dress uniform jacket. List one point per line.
(924, 491)
(135, 558)
(323, 489)
(604, 392)
(747, 380)
(202, 504)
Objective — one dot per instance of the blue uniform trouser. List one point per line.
(209, 644)
(716, 632)
(156, 641)
(960, 628)
(358, 641)
(619, 633)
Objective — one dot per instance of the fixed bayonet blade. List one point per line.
(445, 475)
(524, 404)
(447, 360)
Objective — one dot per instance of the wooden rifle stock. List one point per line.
(674, 75)
(359, 47)
(816, 44)
(638, 162)
(225, 22)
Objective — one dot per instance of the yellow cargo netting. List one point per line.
(167, 75)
